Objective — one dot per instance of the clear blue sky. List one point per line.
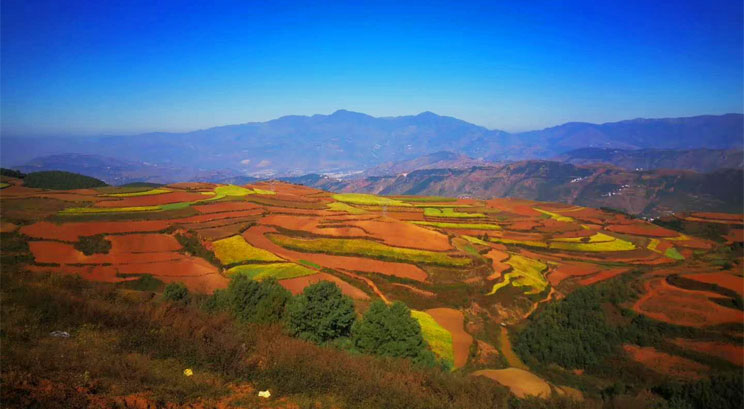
(109, 67)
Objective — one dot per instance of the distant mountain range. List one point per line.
(650, 193)
(700, 160)
(346, 142)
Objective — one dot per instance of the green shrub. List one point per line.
(321, 313)
(90, 245)
(176, 292)
(257, 301)
(391, 331)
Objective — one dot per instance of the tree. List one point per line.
(391, 331)
(176, 292)
(254, 301)
(321, 313)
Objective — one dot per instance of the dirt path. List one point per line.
(506, 349)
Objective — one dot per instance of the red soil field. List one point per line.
(499, 267)
(7, 227)
(524, 225)
(72, 231)
(106, 274)
(454, 322)
(571, 269)
(143, 243)
(554, 226)
(402, 234)
(152, 200)
(54, 252)
(735, 235)
(226, 207)
(723, 279)
(193, 186)
(417, 215)
(221, 232)
(694, 243)
(255, 236)
(674, 305)
(667, 364)
(300, 212)
(297, 284)
(603, 275)
(729, 217)
(574, 234)
(729, 352)
(311, 225)
(218, 216)
(643, 229)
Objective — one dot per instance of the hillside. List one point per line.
(347, 141)
(648, 193)
(481, 278)
(699, 160)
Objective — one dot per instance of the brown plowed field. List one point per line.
(143, 243)
(54, 252)
(152, 200)
(642, 229)
(73, 231)
(674, 305)
(603, 275)
(667, 364)
(723, 279)
(402, 234)
(219, 207)
(297, 284)
(520, 382)
(729, 352)
(255, 236)
(571, 269)
(454, 322)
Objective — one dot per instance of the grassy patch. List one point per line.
(343, 207)
(236, 250)
(438, 338)
(467, 226)
(365, 199)
(526, 272)
(3, 185)
(279, 271)
(450, 213)
(367, 248)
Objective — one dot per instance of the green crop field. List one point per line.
(343, 207)
(236, 250)
(368, 248)
(438, 338)
(3, 185)
(371, 200)
(279, 271)
(450, 213)
(526, 272)
(466, 226)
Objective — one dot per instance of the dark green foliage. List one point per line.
(176, 292)
(12, 173)
(256, 301)
(723, 391)
(144, 282)
(59, 180)
(193, 246)
(391, 331)
(93, 245)
(321, 313)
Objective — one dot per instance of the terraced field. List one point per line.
(468, 269)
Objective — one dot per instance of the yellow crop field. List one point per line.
(279, 271)
(450, 212)
(526, 272)
(368, 248)
(528, 243)
(236, 250)
(365, 199)
(595, 238)
(438, 338)
(343, 207)
(467, 226)
(150, 192)
(596, 246)
(555, 216)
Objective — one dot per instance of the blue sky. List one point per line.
(122, 67)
